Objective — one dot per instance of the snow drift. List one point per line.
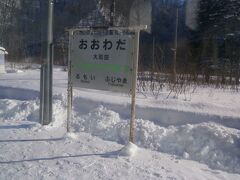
(210, 139)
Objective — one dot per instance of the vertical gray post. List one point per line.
(41, 94)
(153, 53)
(69, 105)
(112, 13)
(153, 59)
(175, 49)
(46, 69)
(134, 84)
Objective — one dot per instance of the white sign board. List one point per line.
(103, 62)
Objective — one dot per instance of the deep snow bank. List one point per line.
(209, 143)
(206, 142)
(175, 127)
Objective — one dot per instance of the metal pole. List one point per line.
(153, 53)
(46, 73)
(50, 56)
(153, 58)
(51, 80)
(69, 105)
(42, 94)
(134, 84)
(44, 16)
(48, 87)
(112, 13)
(175, 48)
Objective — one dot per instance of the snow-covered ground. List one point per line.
(193, 137)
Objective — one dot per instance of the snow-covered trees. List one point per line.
(215, 38)
(7, 10)
(129, 12)
(219, 30)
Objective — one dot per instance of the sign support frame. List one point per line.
(134, 85)
(70, 89)
(136, 30)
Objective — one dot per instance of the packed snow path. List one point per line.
(29, 151)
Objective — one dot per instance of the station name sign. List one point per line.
(102, 61)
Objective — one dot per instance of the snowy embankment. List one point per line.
(204, 129)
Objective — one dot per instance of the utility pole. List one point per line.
(112, 13)
(174, 72)
(153, 60)
(153, 54)
(46, 67)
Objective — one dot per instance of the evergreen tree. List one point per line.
(7, 11)
(218, 21)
